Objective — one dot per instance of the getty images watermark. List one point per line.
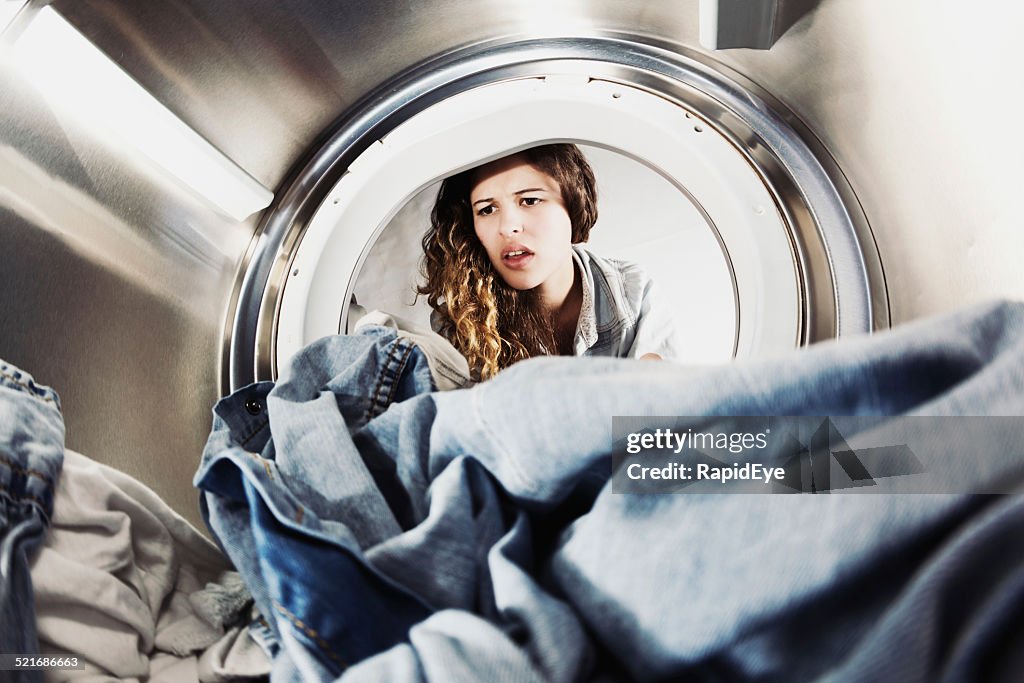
(818, 454)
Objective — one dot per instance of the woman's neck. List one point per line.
(565, 314)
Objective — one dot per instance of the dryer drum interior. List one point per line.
(854, 176)
(142, 296)
(763, 245)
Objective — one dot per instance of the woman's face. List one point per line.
(521, 220)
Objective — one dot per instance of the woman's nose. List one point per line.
(511, 223)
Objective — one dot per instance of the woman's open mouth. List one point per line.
(517, 258)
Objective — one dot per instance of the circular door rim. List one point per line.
(842, 281)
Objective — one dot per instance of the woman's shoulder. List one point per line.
(616, 270)
(620, 286)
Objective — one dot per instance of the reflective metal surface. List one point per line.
(748, 23)
(116, 282)
(914, 100)
(830, 241)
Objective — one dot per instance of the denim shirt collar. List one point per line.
(586, 327)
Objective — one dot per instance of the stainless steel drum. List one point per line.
(857, 174)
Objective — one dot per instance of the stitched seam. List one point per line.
(324, 645)
(262, 461)
(448, 368)
(398, 374)
(27, 472)
(30, 387)
(258, 429)
(376, 405)
(382, 379)
(377, 387)
(25, 496)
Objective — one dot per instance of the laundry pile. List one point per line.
(95, 565)
(387, 531)
(391, 532)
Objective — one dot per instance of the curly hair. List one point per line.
(492, 324)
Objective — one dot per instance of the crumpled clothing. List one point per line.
(388, 532)
(127, 584)
(448, 367)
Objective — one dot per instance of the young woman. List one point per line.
(508, 279)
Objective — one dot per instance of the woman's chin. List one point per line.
(518, 279)
(522, 285)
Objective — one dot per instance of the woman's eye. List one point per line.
(531, 201)
(485, 210)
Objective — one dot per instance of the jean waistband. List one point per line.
(31, 439)
(16, 379)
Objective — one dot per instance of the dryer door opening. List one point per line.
(759, 243)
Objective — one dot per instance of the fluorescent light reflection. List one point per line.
(8, 10)
(72, 73)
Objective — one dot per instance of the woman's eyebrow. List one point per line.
(517, 192)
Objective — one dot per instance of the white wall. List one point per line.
(642, 218)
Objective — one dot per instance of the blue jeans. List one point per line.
(391, 533)
(31, 455)
(296, 512)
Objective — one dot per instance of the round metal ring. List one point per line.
(842, 285)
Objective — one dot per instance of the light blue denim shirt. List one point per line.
(621, 316)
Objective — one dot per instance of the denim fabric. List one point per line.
(31, 455)
(448, 367)
(277, 505)
(472, 535)
(620, 315)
